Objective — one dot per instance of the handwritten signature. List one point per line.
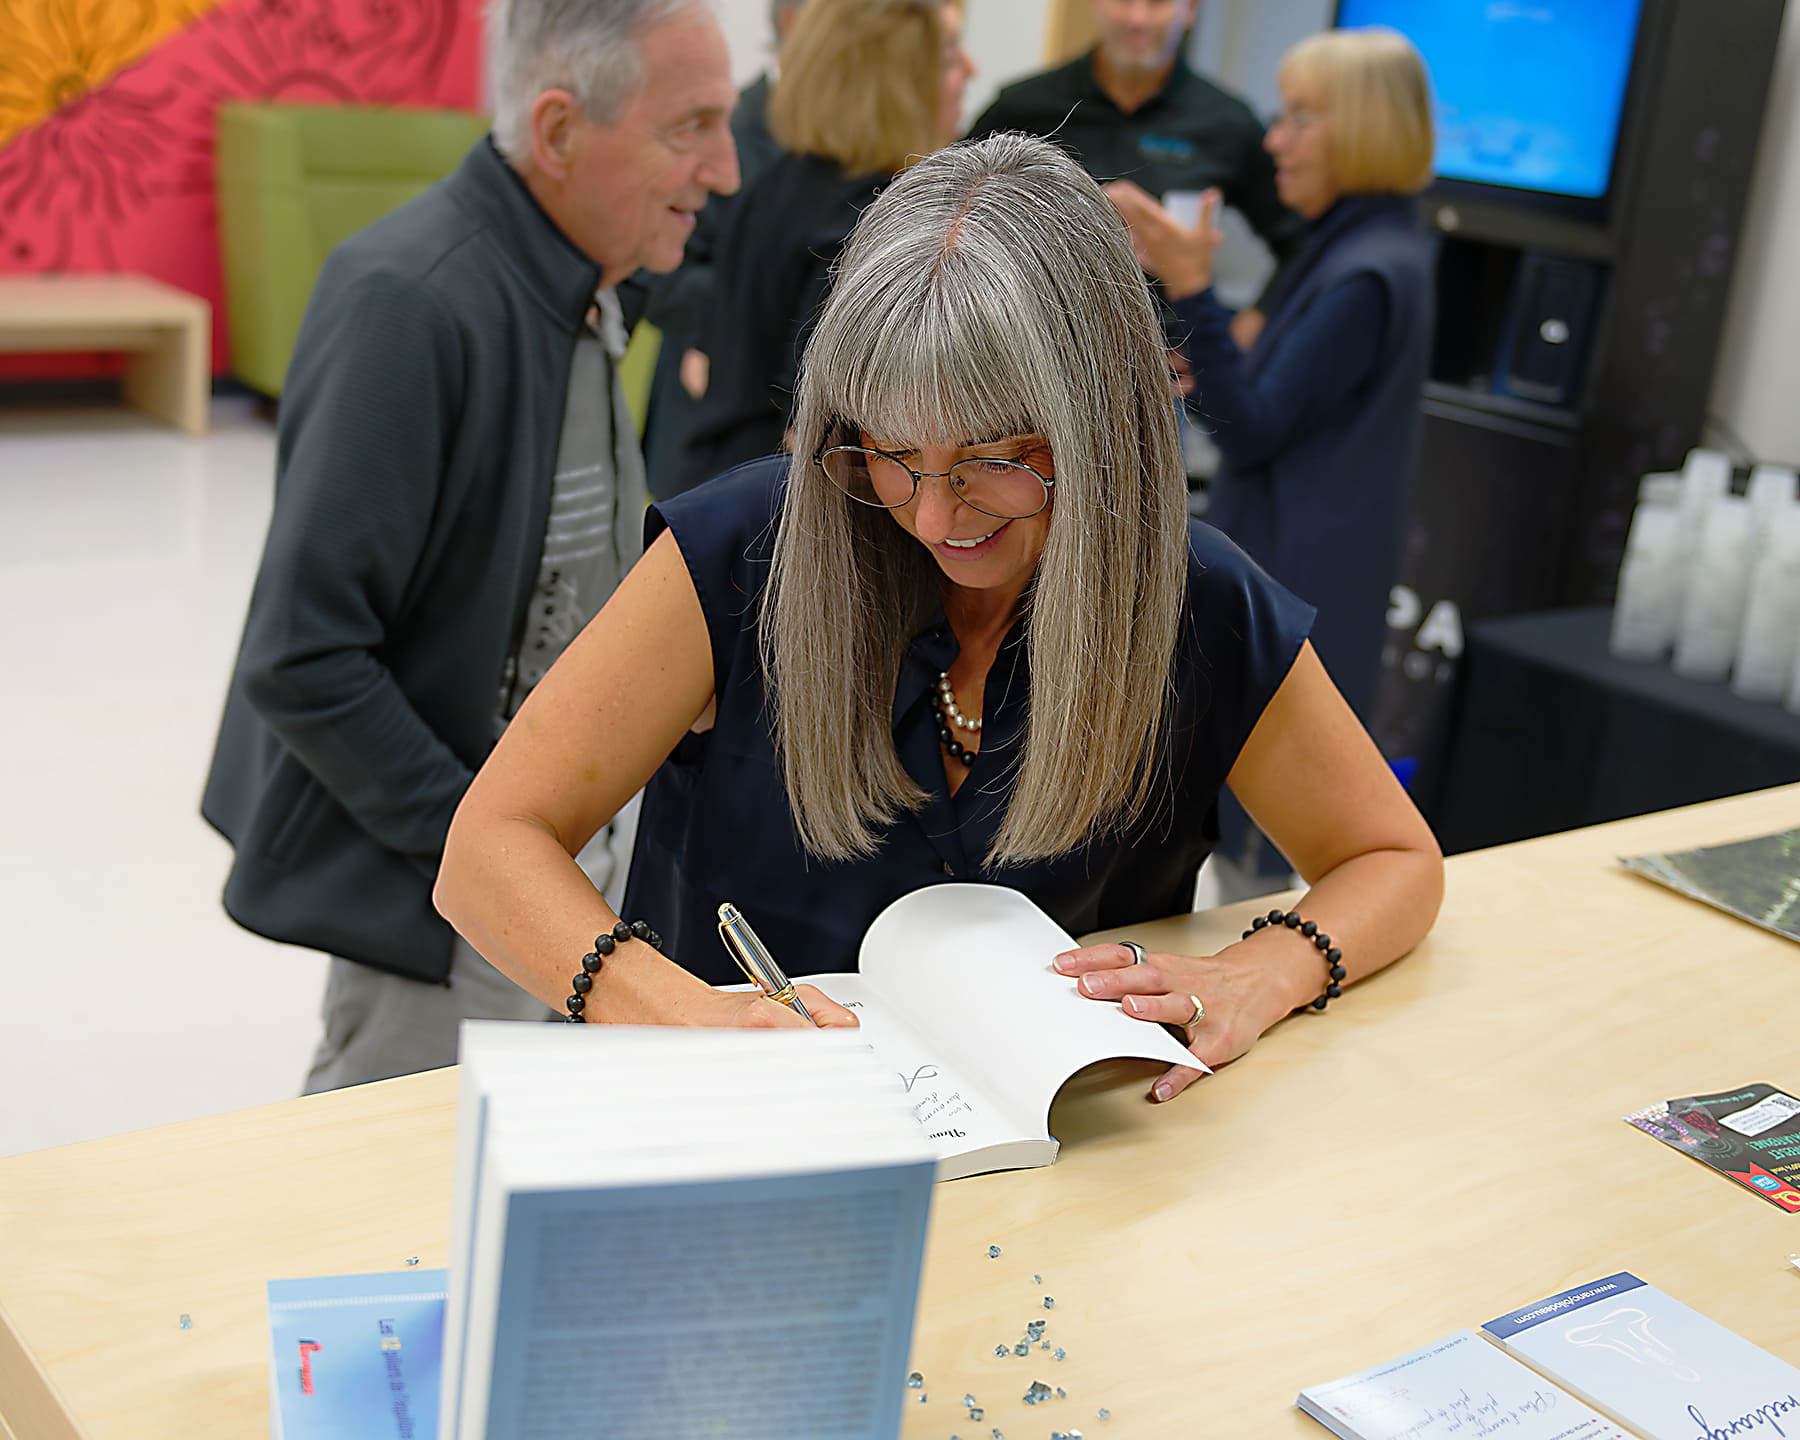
(1749, 1421)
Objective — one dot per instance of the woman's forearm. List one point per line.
(1375, 907)
(515, 894)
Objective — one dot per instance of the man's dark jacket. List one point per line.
(418, 437)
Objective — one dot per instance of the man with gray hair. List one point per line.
(458, 489)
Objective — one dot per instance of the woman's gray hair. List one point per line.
(587, 47)
(991, 291)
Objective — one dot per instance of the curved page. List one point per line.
(968, 1128)
(967, 970)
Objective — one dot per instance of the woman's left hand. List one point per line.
(1179, 257)
(1244, 995)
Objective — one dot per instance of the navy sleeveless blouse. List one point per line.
(716, 824)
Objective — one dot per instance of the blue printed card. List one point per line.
(357, 1355)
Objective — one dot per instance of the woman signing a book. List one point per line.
(964, 630)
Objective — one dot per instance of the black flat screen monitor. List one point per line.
(1529, 94)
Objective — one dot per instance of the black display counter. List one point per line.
(1546, 731)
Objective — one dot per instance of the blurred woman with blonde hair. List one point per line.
(1317, 423)
(866, 88)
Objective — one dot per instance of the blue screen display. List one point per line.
(1529, 92)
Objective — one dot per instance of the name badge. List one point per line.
(1166, 147)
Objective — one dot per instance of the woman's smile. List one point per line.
(973, 547)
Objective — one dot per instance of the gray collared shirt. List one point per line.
(595, 529)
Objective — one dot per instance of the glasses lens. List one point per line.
(1004, 489)
(866, 476)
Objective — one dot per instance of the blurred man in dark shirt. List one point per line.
(1132, 109)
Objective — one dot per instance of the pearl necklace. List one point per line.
(949, 715)
(949, 707)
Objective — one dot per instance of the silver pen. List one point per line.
(756, 962)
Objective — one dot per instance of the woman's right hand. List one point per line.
(1179, 257)
(751, 1011)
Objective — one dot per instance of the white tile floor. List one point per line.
(126, 997)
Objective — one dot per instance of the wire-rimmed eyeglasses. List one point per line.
(1004, 489)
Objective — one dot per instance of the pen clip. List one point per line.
(734, 946)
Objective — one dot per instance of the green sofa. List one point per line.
(294, 180)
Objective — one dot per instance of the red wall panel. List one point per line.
(106, 119)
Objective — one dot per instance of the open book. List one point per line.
(956, 993)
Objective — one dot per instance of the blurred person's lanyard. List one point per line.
(597, 500)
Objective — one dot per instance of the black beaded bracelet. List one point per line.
(591, 962)
(1334, 959)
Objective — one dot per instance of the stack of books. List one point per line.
(653, 1225)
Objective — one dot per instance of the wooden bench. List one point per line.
(167, 332)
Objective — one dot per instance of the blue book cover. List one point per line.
(1661, 1369)
(357, 1356)
(769, 1305)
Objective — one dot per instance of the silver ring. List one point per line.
(1137, 951)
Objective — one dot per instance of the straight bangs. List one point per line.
(914, 367)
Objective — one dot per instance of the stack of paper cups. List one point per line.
(1766, 646)
(1664, 487)
(1705, 476)
(1652, 577)
(1718, 588)
(1772, 493)
(1708, 472)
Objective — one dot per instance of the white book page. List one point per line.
(954, 1114)
(970, 966)
(703, 1095)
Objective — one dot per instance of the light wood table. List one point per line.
(1442, 1146)
(167, 332)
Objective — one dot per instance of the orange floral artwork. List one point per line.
(52, 52)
